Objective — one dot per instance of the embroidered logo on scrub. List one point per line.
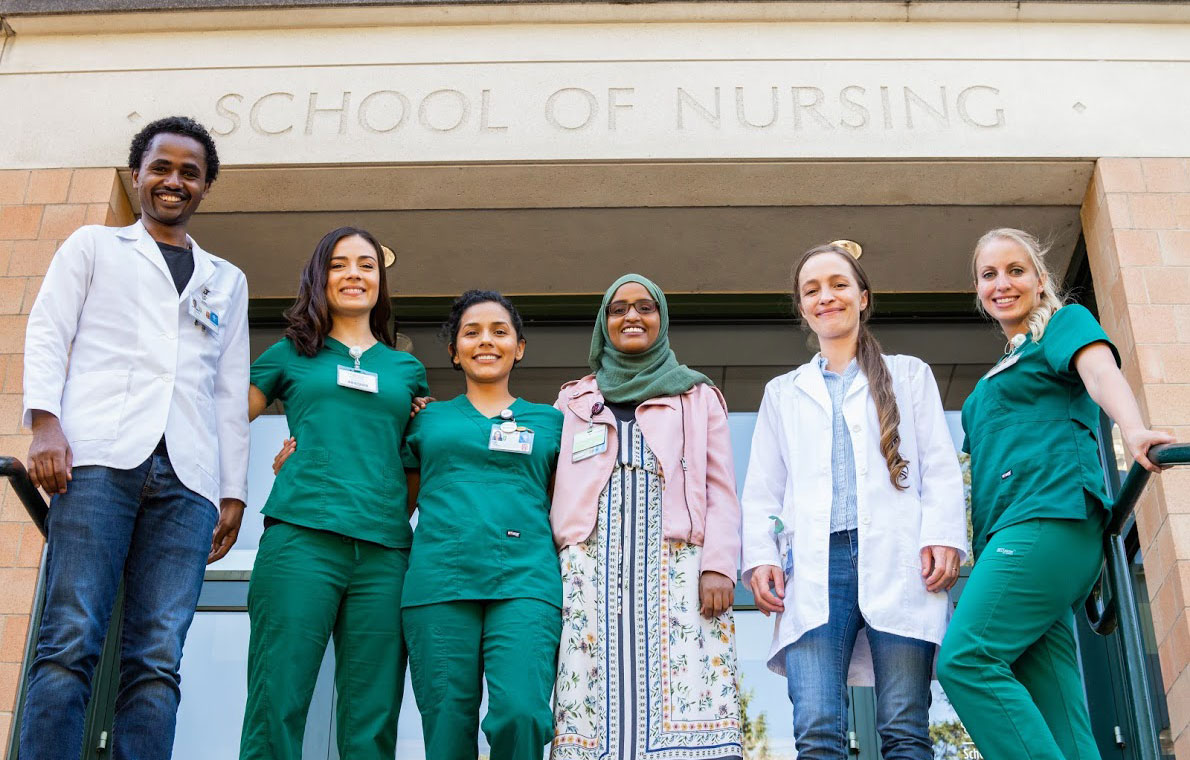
(513, 533)
(1006, 475)
(1002, 550)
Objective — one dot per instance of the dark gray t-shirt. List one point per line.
(180, 262)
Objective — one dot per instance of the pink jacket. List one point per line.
(698, 502)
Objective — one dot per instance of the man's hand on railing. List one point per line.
(50, 458)
(18, 477)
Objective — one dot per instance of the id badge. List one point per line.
(1003, 365)
(588, 443)
(359, 379)
(200, 310)
(519, 441)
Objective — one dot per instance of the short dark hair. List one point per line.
(310, 317)
(177, 125)
(450, 330)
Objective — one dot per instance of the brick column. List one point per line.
(38, 210)
(1136, 218)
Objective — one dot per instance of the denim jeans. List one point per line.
(144, 526)
(816, 670)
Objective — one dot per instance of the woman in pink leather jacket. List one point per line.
(647, 522)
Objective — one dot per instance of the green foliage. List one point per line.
(755, 731)
(952, 742)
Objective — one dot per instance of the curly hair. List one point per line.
(175, 125)
(450, 330)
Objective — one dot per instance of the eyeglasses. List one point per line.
(620, 308)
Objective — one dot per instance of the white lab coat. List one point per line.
(113, 352)
(789, 476)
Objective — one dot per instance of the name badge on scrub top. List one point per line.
(359, 379)
(588, 443)
(516, 441)
(1003, 365)
(200, 310)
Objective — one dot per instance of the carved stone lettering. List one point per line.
(805, 108)
(223, 110)
(964, 114)
(385, 103)
(312, 110)
(852, 107)
(816, 99)
(742, 117)
(614, 105)
(485, 114)
(941, 114)
(573, 100)
(444, 110)
(684, 98)
(254, 114)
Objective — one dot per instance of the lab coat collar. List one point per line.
(147, 247)
(809, 380)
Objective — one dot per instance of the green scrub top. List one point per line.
(483, 516)
(1032, 432)
(346, 475)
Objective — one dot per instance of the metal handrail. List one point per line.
(1113, 607)
(18, 477)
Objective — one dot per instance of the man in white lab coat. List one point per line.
(136, 387)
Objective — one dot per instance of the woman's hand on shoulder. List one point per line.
(419, 403)
(288, 446)
(768, 588)
(1139, 440)
(715, 591)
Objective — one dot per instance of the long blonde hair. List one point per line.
(1050, 299)
(869, 356)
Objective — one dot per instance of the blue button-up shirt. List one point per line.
(843, 492)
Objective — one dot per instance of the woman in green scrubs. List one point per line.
(483, 594)
(1038, 503)
(335, 548)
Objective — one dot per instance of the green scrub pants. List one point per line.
(453, 645)
(1009, 663)
(308, 585)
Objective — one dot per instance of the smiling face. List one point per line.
(352, 278)
(830, 298)
(1007, 283)
(171, 180)
(486, 345)
(633, 332)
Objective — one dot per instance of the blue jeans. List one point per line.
(816, 670)
(144, 526)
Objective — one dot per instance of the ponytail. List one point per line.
(871, 362)
(870, 358)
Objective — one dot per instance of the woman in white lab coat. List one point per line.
(854, 520)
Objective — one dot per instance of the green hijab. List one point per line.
(635, 377)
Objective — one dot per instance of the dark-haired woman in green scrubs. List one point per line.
(483, 595)
(333, 555)
(1009, 660)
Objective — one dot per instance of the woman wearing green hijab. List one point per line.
(647, 523)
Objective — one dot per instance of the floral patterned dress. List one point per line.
(642, 675)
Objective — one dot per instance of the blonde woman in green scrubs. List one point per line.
(333, 556)
(483, 595)
(1009, 660)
